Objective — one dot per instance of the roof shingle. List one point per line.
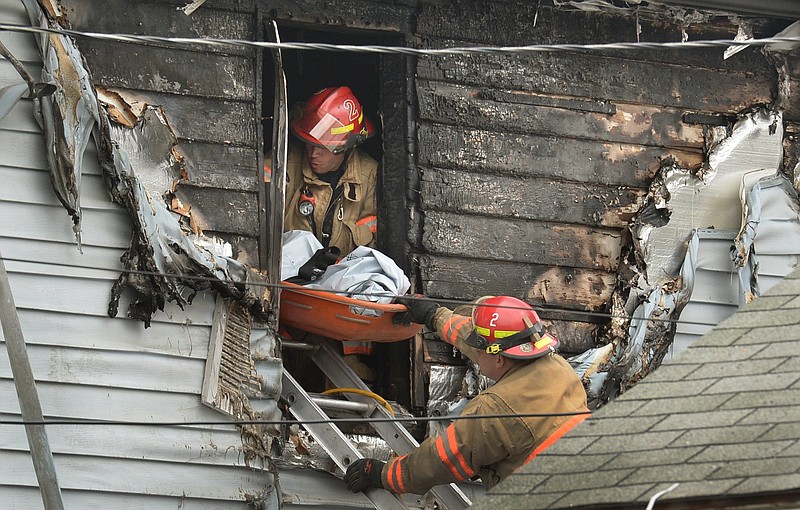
(721, 420)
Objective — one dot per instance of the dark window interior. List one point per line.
(308, 71)
(373, 78)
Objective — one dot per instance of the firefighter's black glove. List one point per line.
(420, 310)
(363, 474)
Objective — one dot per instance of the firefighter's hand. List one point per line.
(420, 310)
(363, 474)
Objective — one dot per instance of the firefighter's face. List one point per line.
(322, 160)
(492, 366)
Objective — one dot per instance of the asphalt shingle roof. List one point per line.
(722, 420)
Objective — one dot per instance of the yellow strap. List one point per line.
(366, 393)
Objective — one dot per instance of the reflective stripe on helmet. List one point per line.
(486, 332)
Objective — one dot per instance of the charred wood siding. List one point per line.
(209, 94)
(386, 16)
(532, 164)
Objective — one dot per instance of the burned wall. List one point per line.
(513, 173)
(209, 95)
(532, 164)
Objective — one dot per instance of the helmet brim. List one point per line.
(530, 350)
(367, 131)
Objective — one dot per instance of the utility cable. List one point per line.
(291, 421)
(210, 42)
(323, 294)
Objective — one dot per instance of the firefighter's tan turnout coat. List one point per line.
(354, 213)
(493, 447)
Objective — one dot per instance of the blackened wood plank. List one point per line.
(632, 124)
(221, 166)
(533, 198)
(546, 156)
(522, 22)
(574, 337)
(674, 85)
(555, 287)
(166, 19)
(170, 71)
(221, 210)
(792, 111)
(245, 248)
(483, 237)
(372, 15)
(204, 119)
(393, 221)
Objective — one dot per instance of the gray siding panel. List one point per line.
(143, 477)
(89, 366)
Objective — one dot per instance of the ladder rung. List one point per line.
(450, 496)
(343, 405)
(332, 440)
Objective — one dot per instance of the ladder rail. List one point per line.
(450, 496)
(331, 439)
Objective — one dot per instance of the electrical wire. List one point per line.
(323, 294)
(237, 43)
(468, 50)
(431, 52)
(290, 421)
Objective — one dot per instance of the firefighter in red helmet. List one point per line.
(331, 184)
(330, 188)
(505, 338)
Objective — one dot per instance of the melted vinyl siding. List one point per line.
(87, 365)
(208, 94)
(715, 291)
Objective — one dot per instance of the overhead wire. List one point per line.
(420, 52)
(322, 294)
(359, 419)
(403, 50)
(470, 50)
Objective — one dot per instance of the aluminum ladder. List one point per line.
(337, 445)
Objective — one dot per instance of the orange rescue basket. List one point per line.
(334, 316)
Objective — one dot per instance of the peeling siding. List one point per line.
(209, 97)
(89, 366)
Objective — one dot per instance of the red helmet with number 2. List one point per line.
(509, 326)
(333, 118)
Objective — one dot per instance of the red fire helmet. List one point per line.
(333, 118)
(509, 326)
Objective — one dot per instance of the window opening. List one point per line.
(367, 74)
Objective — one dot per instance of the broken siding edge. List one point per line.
(202, 119)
